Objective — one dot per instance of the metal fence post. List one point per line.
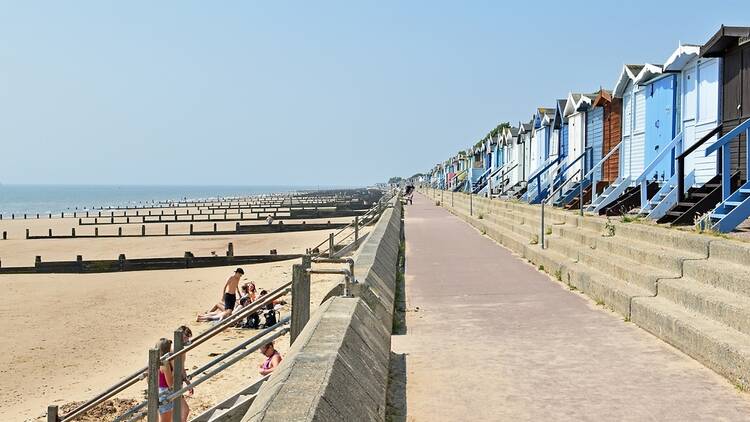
(153, 386)
(300, 298)
(177, 376)
(471, 206)
(542, 233)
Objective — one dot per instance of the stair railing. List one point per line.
(681, 161)
(547, 199)
(503, 176)
(592, 173)
(673, 145)
(723, 145)
(537, 175)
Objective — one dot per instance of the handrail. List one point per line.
(541, 172)
(361, 222)
(200, 338)
(726, 178)
(561, 186)
(681, 160)
(729, 136)
(700, 142)
(601, 162)
(505, 173)
(660, 156)
(169, 396)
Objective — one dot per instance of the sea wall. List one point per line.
(337, 369)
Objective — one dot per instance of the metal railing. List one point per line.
(674, 145)
(201, 338)
(681, 161)
(722, 144)
(592, 173)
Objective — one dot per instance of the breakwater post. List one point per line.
(300, 297)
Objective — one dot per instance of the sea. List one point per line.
(43, 199)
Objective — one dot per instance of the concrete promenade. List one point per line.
(488, 337)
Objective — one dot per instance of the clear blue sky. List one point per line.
(277, 92)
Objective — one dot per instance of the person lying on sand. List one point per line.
(229, 296)
(273, 359)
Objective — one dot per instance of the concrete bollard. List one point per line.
(230, 249)
(143, 229)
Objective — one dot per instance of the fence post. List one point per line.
(230, 249)
(152, 394)
(542, 234)
(179, 371)
(300, 298)
(330, 245)
(52, 413)
(580, 198)
(471, 205)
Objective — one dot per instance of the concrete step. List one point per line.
(717, 304)
(561, 259)
(723, 349)
(721, 274)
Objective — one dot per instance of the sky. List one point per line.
(301, 93)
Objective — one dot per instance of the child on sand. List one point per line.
(166, 379)
(273, 359)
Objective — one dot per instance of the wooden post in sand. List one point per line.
(179, 368)
(152, 393)
(52, 413)
(143, 229)
(230, 249)
(300, 298)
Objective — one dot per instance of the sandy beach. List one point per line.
(76, 334)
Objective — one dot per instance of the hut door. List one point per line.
(736, 100)
(659, 124)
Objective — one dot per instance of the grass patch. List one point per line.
(548, 230)
(572, 288)
(534, 240)
(630, 218)
(599, 302)
(541, 268)
(558, 275)
(480, 216)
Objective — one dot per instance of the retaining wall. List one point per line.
(690, 290)
(337, 369)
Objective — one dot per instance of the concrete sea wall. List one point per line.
(337, 369)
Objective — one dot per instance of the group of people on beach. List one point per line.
(247, 294)
(220, 311)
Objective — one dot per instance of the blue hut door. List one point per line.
(659, 124)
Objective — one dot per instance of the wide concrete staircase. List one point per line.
(690, 290)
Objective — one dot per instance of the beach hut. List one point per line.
(546, 160)
(732, 46)
(578, 156)
(632, 88)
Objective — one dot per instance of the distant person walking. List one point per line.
(273, 359)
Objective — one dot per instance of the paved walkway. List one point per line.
(496, 340)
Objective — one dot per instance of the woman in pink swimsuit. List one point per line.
(273, 359)
(166, 379)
